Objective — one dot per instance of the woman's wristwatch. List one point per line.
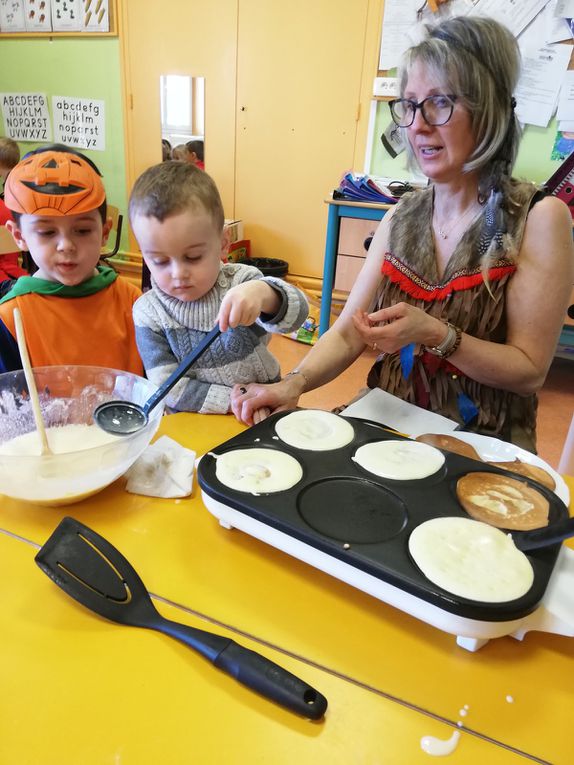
(449, 345)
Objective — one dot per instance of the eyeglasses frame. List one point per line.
(420, 105)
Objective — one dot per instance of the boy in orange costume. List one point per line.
(73, 310)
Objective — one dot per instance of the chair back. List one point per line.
(7, 243)
(113, 246)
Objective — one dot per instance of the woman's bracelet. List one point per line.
(298, 372)
(449, 345)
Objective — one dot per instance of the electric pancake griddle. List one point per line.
(355, 526)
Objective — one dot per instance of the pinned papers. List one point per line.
(543, 71)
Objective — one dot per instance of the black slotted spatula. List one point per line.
(89, 569)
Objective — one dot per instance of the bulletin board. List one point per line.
(58, 18)
(542, 33)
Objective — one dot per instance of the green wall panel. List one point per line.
(80, 68)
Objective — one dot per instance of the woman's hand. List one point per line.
(244, 303)
(254, 402)
(390, 329)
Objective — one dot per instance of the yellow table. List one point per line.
(360, 648)
(77, 690)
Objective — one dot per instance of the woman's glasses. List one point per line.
(436, 110)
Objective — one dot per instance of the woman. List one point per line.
(469, 279)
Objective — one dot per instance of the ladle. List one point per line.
(122, 418)
(549, 535)
(31, 383)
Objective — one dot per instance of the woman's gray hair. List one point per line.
(477, 59)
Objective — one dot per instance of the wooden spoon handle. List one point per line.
(29, 375)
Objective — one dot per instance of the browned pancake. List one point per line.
(502, 501)
(449, 444)
(531, 471)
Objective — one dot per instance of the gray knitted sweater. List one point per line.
(167, 329)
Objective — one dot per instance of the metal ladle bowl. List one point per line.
(122, 418)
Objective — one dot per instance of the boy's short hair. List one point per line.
(9, 152)
(55, 181)
(173, 187)
(196, 147)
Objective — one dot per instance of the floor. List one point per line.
(556, 400)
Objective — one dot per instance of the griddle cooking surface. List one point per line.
(365, 521)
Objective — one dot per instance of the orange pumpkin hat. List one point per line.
(54, 183)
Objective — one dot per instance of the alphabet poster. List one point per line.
(26, 116)
(79, 122)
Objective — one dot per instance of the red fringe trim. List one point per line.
(424, 291)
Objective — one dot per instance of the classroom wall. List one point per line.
(287, 94)
(83, 68)
(277, 141)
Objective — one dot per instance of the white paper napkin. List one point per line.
(165, 469)
(380, 406)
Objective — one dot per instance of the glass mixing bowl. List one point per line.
(68, 396)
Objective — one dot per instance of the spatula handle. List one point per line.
(270, 680)
(249, 668)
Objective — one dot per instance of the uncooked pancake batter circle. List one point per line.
(257, 471)
(315, 430)
(399, 460)
(471, 559)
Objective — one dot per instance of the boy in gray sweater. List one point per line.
(177, 217)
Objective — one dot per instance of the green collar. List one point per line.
(27, 285)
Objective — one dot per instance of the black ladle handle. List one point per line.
(181, 369)
(250, 669)
(549, 535)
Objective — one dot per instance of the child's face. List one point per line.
(183, 253)
(66, 248)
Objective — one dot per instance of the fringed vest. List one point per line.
(462, 297)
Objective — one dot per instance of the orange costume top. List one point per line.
(89, 324)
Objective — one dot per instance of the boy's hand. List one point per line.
(243, 304)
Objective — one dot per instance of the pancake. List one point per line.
(315, 430)
(257, 471)
(530, 471)
(449, 444)
(502, 501)
(399, 460)
(470, 559)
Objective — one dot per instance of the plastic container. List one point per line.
(268, 266)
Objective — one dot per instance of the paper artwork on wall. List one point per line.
(66, 15)
(12, 16)
(95, 15)
(38, 15)
(563, 146)
(79, 122)
(26, 116)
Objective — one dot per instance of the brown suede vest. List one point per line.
(462, 297)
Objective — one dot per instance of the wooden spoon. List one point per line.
(32, 390)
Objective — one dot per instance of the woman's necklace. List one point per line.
(444, 233)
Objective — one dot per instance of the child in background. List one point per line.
(177, 217)
(73, 311)
(195, 153)
(9, 158)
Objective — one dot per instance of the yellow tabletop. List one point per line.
(517, 694)
(77, 689)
